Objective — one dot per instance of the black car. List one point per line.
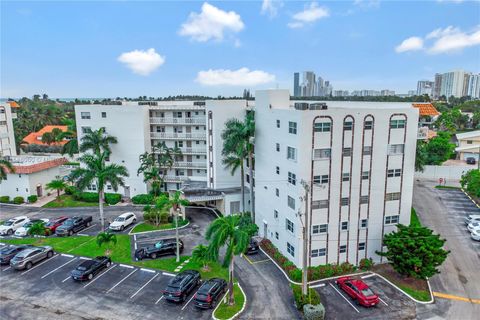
(72, 225)
(252, 247)
(209, 293)
(89, 268)
(471, 160)
(163, 247)
(8, 252)
(179, 287)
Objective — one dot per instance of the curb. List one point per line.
(240, 311)
(432, 299)
(478, 205)
(144, 232)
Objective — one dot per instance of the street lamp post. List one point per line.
(177, 211)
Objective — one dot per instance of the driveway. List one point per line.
(443, 210)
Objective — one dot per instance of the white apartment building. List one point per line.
(357, 159)
(7, 137)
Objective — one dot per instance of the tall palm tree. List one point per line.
(71, 147)
(176, 201)
(249, 136)
(58, 185)
(94, 170)
(5, 167)
(226, 231)
(97, 141)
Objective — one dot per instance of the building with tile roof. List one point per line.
(36, 137)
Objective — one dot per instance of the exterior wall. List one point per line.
(275, 105)
(7, 138)
(26, 184)
(450, 173)
(468, 142)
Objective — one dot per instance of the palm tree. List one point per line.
(5, 167)
(96, 171)
(226, 231)
(201, 254)
(58, 184)
(176, 201)
(71, 147)
(249, 136)
(106, 238)
(38, 229)
(97, 141)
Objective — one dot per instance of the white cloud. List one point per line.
(211, 23)
(270, 7)
(240, 77)
(410, 44)
(309, 15)
(142, 62)
(367, 3)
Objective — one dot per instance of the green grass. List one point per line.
(67, 201)
(142, 227)
(215, 270)
(447, 187)
(225, 311)
(414, 220)
(421, 295)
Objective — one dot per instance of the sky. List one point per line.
(158, 48)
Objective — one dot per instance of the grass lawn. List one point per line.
(414, 220)
(142, 227)
(447, 187)
(224, 311)
(67, 201)
(421, 295)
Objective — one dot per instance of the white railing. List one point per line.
(191, 150)
(175, 178)
(160, 120)
(190, 165)
(172, 135)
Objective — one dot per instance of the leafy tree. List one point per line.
(439, 149)
(471, 181)
(37, 229)
(5, 167)
(106, 238)
(202, 255)
(175, 201)
(414, 251)
(452, 120)
(71, 147)
(48, 138)
(421, 156)
(57, 185)
(158, 213)
(97, 142)
(476, 120)
(226, 232)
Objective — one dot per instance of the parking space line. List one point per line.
(93, 225)
(38, 265)
(168, 274)
(246, 258)
(318, 285)
(186, 304)
(85, 258)
(6, 269)
(122, 280)
(67, 255)
(133, 295)
(344, 297)
(44, 276)
(66, 279)
(368, 276)
(159, 299)
(383, 301)
(126, 266)
(148, 270)
(93, 280)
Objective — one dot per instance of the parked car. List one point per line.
(358, 290)
(179, 287)
(471, 160)
(252, 247)
(23, 231)
(209, 293)
(28, 257)
(72, 225)
(11, 225)
(473, 225)
(162, 247)
(123, 221)
(55, 223)
(90, 268)
(8, 252)
(475, 234)
(472, 218)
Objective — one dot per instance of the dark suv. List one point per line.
(179, 287)
(162, 247)
(209, 293)
(471, 160)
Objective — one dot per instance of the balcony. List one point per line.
(178, 136)
(185, 121)
(190, 165)
(194, 151)
(175, 178)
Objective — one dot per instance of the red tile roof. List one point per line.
(25, 169)
(426, 109)
(34, 137)
(13, 104)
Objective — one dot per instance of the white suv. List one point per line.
(123, 221)
(472, 218)
(10, 226)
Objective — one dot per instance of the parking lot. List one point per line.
(120, 284)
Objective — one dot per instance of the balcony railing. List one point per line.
(192, 150)
(193, 165)
(180, 136)
(175, 178)
(196, 120)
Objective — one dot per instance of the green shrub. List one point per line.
(143, 199)
(295, 274)
(4, 199)
(86, 196)
(32, 199)
(311, 312)
(70, 190)
(112, 198)
(366, 264)
(18, 200)
(312, 298)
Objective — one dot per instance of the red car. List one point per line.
(54, 223)
(358, 290)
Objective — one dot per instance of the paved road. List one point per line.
(442, 211)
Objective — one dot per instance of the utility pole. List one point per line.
(306, 232)
(177, 211)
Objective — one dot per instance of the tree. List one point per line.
(97, 142)
(226, 231)
(201, 254)
(452, 120)
(106, 238)
(71, 147)
(95, 171)
(158, 213)
(176, 201)
(249, 136)
(414, 251)
(38, 229)
(58, 185)
(471, 182)
(439, 149)
(48, 138)
(476, 120)
(5, 167)
(420, 156)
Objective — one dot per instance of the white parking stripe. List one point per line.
(93, 280)
(6, 269)
(344, 297)
(38, 265)
(186, 304)
(67, 255)
(93, 225)
(126, 266)
(85, 258)
(122, 280)
(148, 270)
(133, 295)
(383, 301)
(318, 285)
(159, 300)
(66, 279)
(368, 276)
(168, 274)
(58, 268)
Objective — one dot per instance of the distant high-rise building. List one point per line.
(425, 87)
(411, 93)
(437, 86)
(310, 86)
(296, 84)
(454, 83)
(473, 86)
(387, 92)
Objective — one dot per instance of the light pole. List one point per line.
(306, 232)
(177, 211)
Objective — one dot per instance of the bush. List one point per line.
(32, 199)
(366, 264)
(86, 196)
(143, 199)
(18, 200)
(4, 199)
(312, 298)
(295, 274)
(71, 190)
(311, 312)
(112, 198)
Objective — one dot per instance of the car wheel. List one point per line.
(70, 233)
(89, 224)
(184, 297)
(122, 228)
(213, 304)
(10, 232)
(153, 256)
(109, 264)
(49, 254)
(28, 265)
(90, 276)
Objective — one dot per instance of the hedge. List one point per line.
(110, 198)
(70, 190)
(4, 199)
(18, 200)
(312, 298)
(32, 199)
(143, 199)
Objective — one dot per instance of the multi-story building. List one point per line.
(7, 137)
(357, 160)
(387, 92)
(437, 86)
(425, 87)
(311, 85)
(473, 86)
(296, 84)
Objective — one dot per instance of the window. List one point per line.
(291, 249)
(343, 248)
(320, 179)
(392, 219)
(104, 114)
(291, 153)
(319, 228)
(363, 223)
(275, 214)
(392, 196)
(292, 178)
(289, 225)
(367, 150)
(365, 175)
(277, 147)
(278, 123)
(320, 204)
(347, 152)
(361, 246)
(346, 176)
(469, 141)
(292, 127)
(368, 125)
(397, 124)
(86, 129)
(85, 115)
(318, 252)
(344, 226)
(291, 202)
(322, 127)
(363, 199)
(177, 114)
(345, 201)
(277, 192)
(109, 187)
(394, 173)
(348, 125)
(277, 169)
(394, 149)
(276, 235)
(322, 153)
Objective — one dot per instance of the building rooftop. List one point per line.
(466, 135)
(31, 164)
(426, 109)
(36, 137)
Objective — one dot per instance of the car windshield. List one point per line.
(8, 223)
(28, 224)
(158, 245)
(7, 250)
(367, 292)
(81, 268)
(120, 219)
(68, 222)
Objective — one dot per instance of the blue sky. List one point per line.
(159, 48)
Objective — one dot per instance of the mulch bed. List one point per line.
(388, 272)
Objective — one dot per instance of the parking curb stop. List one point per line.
(240, 311)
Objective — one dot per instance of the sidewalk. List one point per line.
(42, 201)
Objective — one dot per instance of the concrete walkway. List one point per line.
(43, 201)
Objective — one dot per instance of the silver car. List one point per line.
(28, 257)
